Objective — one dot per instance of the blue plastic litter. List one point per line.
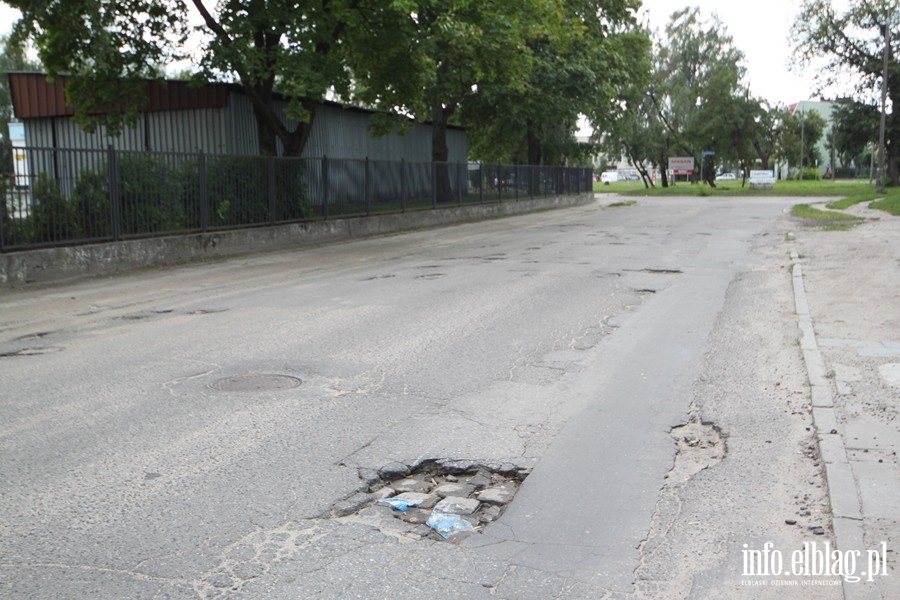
(397, 503)
(448, 525)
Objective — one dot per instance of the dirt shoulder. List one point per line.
(853, 284)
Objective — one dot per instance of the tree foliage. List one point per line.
(272, 48)
(518, 72)
(799, 138)
(855, 127)
(852, 41)
(693, 102)
(697, 103)
(584, 65)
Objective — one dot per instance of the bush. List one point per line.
(238, 190)
(810, 174)
(92, 207)
(52, 216)
(151, 195)
(291, 201)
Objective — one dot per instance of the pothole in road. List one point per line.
(31, 336)
(699, 445)
(256, 383)
(207, 311)
(656, 271)
(440, 499)
(31, 351)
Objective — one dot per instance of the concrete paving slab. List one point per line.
(825, 419)
(849, 533)
(846, 373)
(862, 431)
(890, 373)
(831, 448)
(879, 488)
(842, 489)
(879, 351)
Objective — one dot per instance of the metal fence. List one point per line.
(67, 197)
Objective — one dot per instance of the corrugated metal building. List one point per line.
(213, 118)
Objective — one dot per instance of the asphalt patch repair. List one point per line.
(437, 499)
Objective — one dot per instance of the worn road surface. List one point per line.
(187, 432)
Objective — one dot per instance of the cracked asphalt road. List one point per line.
(573, 342)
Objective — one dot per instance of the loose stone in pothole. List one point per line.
(451, 496)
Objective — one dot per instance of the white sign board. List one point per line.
(681, 165)
(20, 163)
(762, 180)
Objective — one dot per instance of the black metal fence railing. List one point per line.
(68, 197)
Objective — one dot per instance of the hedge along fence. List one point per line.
(68, 197)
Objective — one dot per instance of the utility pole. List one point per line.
(879, 183)
(833, 152)
(802, 124)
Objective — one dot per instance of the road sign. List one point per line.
(681, 165)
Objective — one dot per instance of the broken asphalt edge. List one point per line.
(846, 512)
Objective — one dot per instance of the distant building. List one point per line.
(215, 118)
(824, 110)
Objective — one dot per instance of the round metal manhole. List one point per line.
(256, 383)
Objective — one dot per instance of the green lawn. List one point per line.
(848, 192)
(827, 218)
(844, 188)
(890, 203)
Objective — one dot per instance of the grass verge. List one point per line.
(848, 202)
(890, 203)
(830, 220)
(840, 188)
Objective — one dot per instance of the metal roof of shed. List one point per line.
(34, 95)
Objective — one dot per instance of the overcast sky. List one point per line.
(760, 29)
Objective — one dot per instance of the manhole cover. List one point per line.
(256, 383)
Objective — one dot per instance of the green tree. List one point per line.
(855, 130)
(727, 122)
(766, 133)
(446, 53)
(584, 65)
(690, 102)
(800, 136)
(270, 47)
(853, 40)
(638, 133)
(640, 136)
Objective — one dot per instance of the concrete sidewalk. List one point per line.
(847, 294)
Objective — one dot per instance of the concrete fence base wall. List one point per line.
(68, 262)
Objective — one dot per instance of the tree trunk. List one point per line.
(440, 152)
(663, 161)
(268, 139)
(295, 142)
(292, 142)
(535, 155)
